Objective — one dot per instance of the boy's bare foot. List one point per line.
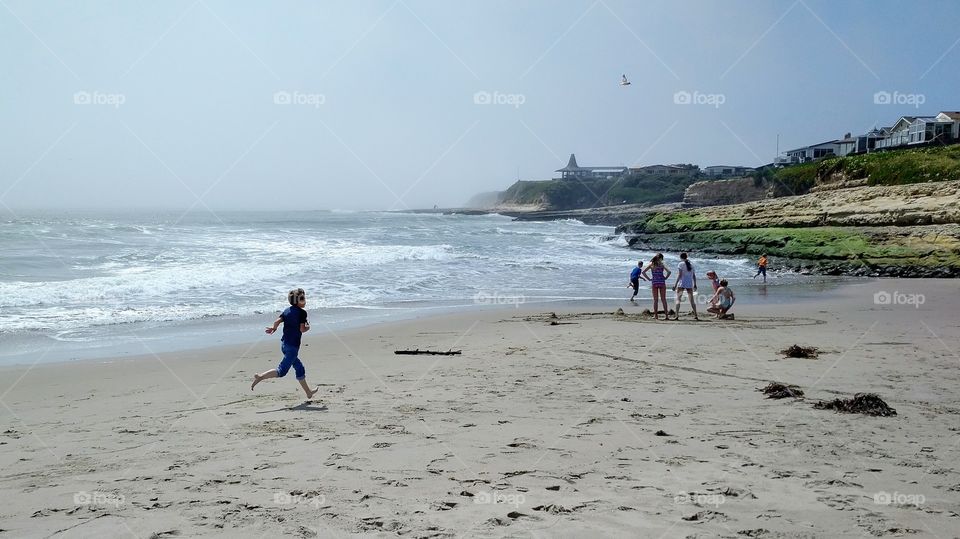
(313, 392)
(256, 380)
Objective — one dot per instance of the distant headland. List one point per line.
(886, 202)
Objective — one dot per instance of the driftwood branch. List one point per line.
(428, 352)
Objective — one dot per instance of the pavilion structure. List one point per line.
(574, 171)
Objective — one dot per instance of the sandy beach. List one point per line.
(590, 424)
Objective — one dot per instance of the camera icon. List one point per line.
(483, 498)
(882, 498)
(882, 98)
(681, 498)
(82, 498)
(81, 98)
(682, 98)
(882, 298)
(482, 98)
(282, 498)
(282, 98)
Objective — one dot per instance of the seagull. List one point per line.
(624, 81)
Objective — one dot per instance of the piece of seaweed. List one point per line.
(776, 390)
(809, 352)
(861, 403)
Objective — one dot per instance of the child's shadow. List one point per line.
(306, 405)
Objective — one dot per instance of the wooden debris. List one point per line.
(418, 352)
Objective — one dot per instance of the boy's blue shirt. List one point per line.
(635, 274)
(292, 316)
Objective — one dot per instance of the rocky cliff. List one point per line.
(718, 192)
(904, 230)
(898, 205)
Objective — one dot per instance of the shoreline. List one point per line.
(193, 336)
(903, 231)
(590, 422)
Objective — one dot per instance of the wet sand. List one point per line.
(587, 424)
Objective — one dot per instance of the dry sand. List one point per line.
(536, 430)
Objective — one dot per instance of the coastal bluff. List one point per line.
(719, 192)
(903, 230)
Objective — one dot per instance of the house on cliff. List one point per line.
(573, 171)
(667, 170)
(727, 171)
(809, 153)
(951, 116)
(944, 128)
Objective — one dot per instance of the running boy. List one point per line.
(762, 267)
(635, 279)
(294, 320)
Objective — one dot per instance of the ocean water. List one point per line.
(77, 285)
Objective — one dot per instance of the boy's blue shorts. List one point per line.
(290, 359)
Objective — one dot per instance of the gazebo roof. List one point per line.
(572, 166)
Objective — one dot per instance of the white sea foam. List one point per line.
(73, 279)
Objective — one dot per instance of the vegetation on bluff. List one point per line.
(896, 167)
(572, 194)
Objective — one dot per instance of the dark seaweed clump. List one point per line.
(796, 350)
(861, 403)
(776, 390)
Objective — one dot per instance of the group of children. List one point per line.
(657, 274)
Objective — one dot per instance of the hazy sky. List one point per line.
(409, 103)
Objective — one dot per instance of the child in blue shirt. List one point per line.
(635, 277)
(294, 320)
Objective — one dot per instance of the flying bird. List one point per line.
(624, 81)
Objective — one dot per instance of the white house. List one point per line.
(846, 145)
(899, 133)
(815, 151)
(913, 130)
(951, 116)
(727, 171)
(671, 170)
(930, 129)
